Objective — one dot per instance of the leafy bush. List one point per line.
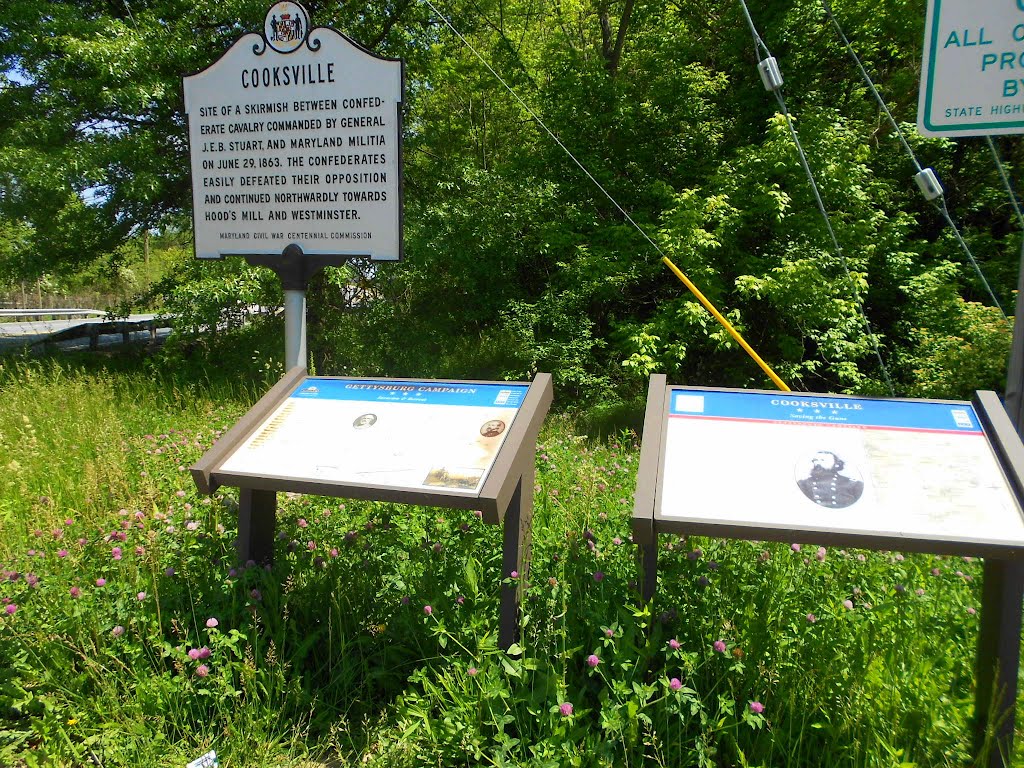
(129, 635)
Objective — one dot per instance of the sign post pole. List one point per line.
(998, 655)
(294, 328)
(998, 661)
(295, 269)
(257, 519)
(1015, 370)
(515, 558)
(969, 88)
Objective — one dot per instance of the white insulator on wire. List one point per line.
(928, 183)
(771, 75)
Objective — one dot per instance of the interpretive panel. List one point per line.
(904, 469)
(295, 137)
(415, 435)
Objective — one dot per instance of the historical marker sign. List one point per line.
(454, 444)
(420, 435)
(295, 137)
(809, 465)
(972, 76)
(930, 476)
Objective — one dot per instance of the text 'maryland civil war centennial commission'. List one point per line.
(295, 137)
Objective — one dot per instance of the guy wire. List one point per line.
(1006, 181)
(664, 258)
(781, 99)
(942, 208)
(871, 84)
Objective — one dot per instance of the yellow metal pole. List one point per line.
(726, 324)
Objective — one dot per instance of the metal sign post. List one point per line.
(295, 269)
(1002, 595)
(998, 657)
(294, 328)
(971, 85)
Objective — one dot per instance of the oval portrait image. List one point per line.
(492, 428)
(364, 421)
(828, 480)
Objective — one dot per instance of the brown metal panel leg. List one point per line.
(526, 527)
(649, 569)
(998, 659)
(257, 518)
(515, 556)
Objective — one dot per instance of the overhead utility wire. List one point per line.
(926, 178)
(1006, 181)
(771, 77)
(665, 259)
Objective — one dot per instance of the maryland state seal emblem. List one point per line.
(286, 26)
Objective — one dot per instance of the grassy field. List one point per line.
(129, 636)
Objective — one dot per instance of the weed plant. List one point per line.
(130, 636)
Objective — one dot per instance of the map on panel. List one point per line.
(418, 435)
(902, 468)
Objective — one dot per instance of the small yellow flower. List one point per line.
(72, 721)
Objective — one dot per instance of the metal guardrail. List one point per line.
(40, 314)
(93, 331)
(91, 328)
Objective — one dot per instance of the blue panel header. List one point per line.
(414, 392)
(824, 410)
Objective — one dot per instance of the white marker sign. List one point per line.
(295, 137)
(972, 77)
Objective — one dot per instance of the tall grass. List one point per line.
(130, 636)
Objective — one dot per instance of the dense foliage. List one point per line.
(516, 260)
(147, 649)
(130, 636)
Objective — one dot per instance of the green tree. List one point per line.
(516, 260)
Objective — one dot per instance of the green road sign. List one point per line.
(972, 75)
